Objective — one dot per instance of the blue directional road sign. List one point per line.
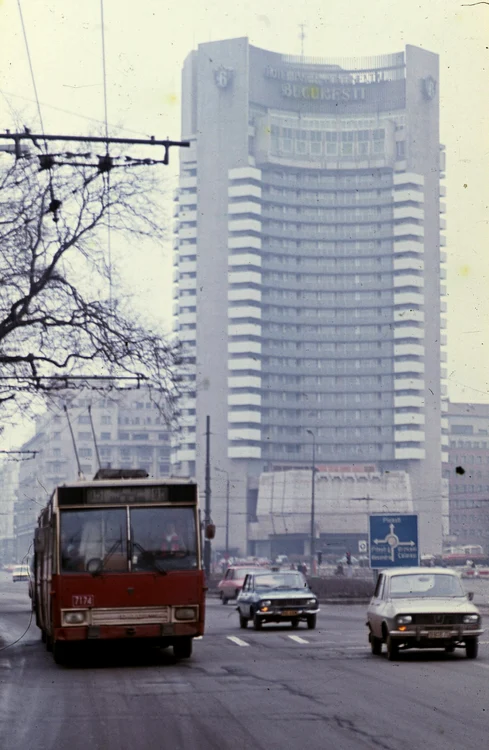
(393, 540)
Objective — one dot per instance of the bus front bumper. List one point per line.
(129, 631)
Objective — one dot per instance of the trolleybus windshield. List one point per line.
(97, 540)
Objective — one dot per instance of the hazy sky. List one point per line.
(146, 43)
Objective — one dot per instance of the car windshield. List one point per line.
(425, 585)
(96, 540)
(280, 581)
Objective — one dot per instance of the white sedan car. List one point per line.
(422, 608)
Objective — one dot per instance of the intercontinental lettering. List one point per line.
(331, 77)
(322, 93)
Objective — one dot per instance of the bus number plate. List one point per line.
(82, 600)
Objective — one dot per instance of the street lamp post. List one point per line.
(313, 497)
(223, 471)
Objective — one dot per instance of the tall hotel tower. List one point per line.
(309, 271)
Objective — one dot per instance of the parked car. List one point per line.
(422, 608)
(232, 583)
(21, 573)
(282, 596)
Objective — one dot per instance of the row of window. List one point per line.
(470, 443)
(287, 146)
(336, 180)
(469, 488)
(470, 460)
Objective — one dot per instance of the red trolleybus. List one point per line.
(119, 557)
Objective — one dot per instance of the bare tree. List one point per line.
(59, 313)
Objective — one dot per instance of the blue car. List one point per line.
(284, 596)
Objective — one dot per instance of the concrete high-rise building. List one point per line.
(309, 277)
(468, 474)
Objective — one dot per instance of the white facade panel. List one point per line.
(408, 384)
(244, 382)
(408, 229)
(408, 332)
(187, 233)
(244, 173)
(244, 416)
(247, 452)
(409, 264)
(402, 402)
(244, 295)
(403, 245)
(246, 242)
(244, 363)
(249, 433)
(409, 436)
(245, 259)
(408, 178)
(410, 454)
(407, 418)
(244, 277)
(189, 317)
(244, 329)
(407, 279)
(402, 195)
(402, 316)
(243, 347)
(404, 350)
(244, 225)
(244, 207)
(411, 366)
(408, 212)
(187, 266)
(244, 399)
(245, 312)
(244, 191)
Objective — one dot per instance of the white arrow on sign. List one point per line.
(393, 541)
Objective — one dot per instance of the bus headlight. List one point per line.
(75, 617)
(185, 613)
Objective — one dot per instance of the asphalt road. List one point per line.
(270, 690)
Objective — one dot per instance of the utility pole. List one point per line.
(207, 511)
(223, 471)
(313, 500)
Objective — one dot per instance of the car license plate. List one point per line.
(289, 612)
(439, 634)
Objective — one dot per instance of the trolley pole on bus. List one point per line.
(207, 510)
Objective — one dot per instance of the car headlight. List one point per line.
(471, 619)
(264, 605)
(404, 620)
(185, 613)
(75, 617)
(311, 603)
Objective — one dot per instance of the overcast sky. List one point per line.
(146, 43)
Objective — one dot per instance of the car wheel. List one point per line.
(311, 622)
(49, 642)
(43, 636)
(294, 623)
(392, 649)
(471, 648)
(375, 645)
(243, 622)
(224, 599)
(182, 649)
(257, 622)
(449, 649)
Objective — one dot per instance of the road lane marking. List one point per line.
(484, 666)
(237, 640)
(298, 639)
